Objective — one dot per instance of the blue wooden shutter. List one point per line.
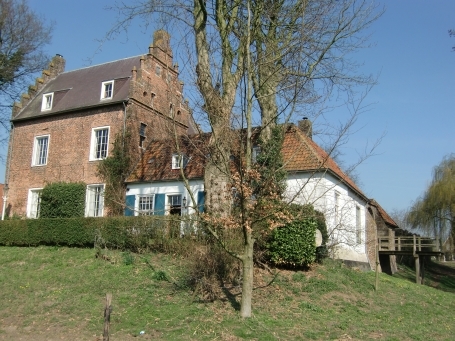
(129, 208)
(201, 201)
(159, 204)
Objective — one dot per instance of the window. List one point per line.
(107, 90)
(46, 104)
(145, 203)
(175, 204)
(34, 203)
(358, 226)
(99, 143)
(255, 153)
(158, 70)
(40, 149)
(94, 201)
(142, 134)
(337, 208)
(179, 161)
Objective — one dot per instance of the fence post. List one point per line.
(107, 316)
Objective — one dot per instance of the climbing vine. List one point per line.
(113, 171)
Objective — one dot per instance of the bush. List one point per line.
(293, 244)
(62, 200)
(126, 233)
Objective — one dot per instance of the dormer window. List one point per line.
(107, 90)
(179, 161)
(47, 101)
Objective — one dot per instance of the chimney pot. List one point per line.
(306, 126)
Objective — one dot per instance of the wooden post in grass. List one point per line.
(107, 316)
(377, 268)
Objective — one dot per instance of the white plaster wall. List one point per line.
(319, 190)
(168, 188)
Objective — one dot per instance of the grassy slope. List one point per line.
(49, 293)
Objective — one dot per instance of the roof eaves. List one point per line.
(69, 110)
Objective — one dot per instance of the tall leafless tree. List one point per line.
(271, 59)
(23, 36)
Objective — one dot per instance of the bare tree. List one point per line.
(261, 58)
(23, 35)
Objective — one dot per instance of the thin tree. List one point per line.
(23, 36)
(265, 58)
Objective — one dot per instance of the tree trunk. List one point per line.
(247, 284)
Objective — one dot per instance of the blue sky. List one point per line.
(413, 103)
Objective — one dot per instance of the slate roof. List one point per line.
(383, 214)
(81, 88)
(300, 154)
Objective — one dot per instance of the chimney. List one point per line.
(161, 47)
(57, 65)
(306, 126)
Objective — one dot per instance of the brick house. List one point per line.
(68, 121)
(156, 187)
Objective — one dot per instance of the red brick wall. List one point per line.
(68, 151)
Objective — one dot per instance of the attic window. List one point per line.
(47, 101)
(179, 161)
(107, 90)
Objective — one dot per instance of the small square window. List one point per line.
(145, 203)
(46, 104)
(99, 143)
(94, 204)
(107, 90)
(40, 150)
(179, 161)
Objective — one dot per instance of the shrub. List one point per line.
(62, 200)
(293, 244)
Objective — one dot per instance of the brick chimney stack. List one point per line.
(306, 126)
(161, 47)
(57, 65)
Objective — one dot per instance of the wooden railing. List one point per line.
(409, 244)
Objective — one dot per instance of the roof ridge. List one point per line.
(96, 65)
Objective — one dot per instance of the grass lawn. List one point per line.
(57, 293)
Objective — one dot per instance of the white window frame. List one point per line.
(337, 208)
(168, 202)
(46, 103)
(140, 210)
(179, 161)
(37, 157)
(103, 89)
(33, 202)
(94, 143)
(94, 200)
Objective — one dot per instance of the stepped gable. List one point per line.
(81, 89)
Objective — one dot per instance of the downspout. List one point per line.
(7, 170)
(124, 124)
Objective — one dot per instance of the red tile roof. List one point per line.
(387, 219)
(300, 154)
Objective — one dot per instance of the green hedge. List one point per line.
(63, 200)
(293, 244)
(132, 233)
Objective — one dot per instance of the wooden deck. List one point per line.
(412, 245)
(409, 245)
